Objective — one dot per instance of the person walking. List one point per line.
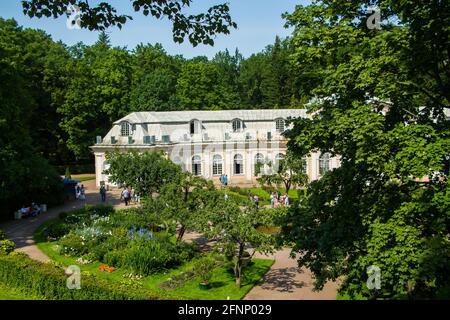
(286, 200)
(77, 191)
(225, 180)
(126, 195)
(272, 200)
(221, 179)
(103, 192)
(82, 193)
(257, 201)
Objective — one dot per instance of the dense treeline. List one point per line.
(78, 91)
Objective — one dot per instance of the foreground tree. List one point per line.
(380, 96)
(182, 201)
(235, 230)
(146, 172)
(199, 28)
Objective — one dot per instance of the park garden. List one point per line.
(145, 252)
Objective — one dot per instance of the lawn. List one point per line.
(222, 282)
(241, 194)
(83, 178)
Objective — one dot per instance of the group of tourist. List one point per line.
(30, 211)
(277, 200)
(223, 179)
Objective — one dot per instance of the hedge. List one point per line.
(49, 281)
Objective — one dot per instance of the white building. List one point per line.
(208, 143)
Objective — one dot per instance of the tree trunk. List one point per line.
(238, 266)
(181, 233)
(287, 186)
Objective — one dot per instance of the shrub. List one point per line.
(73, 245)
(6, 246)
(50, 281)
(117, 241)
(2, 235)
(56, 229)
(203, 269)
(149, 257)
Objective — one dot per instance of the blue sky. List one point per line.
(259, 21)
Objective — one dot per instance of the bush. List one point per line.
(56, 229)
(6, 246)
(203, 269)
(111, 244)
(149, 257)
(50, 281)
(2, 235)
(73, 245)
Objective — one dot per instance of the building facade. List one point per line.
(209, 143)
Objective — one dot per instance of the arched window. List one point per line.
(237, 125)
(324, 163)
(238, 164)
(196, 165)
(259, 162)
(195, 126)
(279, 125)
(125, 129)
(217, 165)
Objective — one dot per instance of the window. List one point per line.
(238, 164)
(279, 125)
(279, 157)
(196, 165)
(125, 129)
(259, 161)
(324, 163)
(217, 165)
(194, 126)
(237, 125)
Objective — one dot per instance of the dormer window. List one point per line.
(195, 126)
(280, 125)
(237, 125)
(125, 129)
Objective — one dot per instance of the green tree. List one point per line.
(97, 94)
(199, 87)
(183, 200)
(199, 28)
(379, 102)
(234, 229)
(24, 175)
(147, 173)
(289, 171)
